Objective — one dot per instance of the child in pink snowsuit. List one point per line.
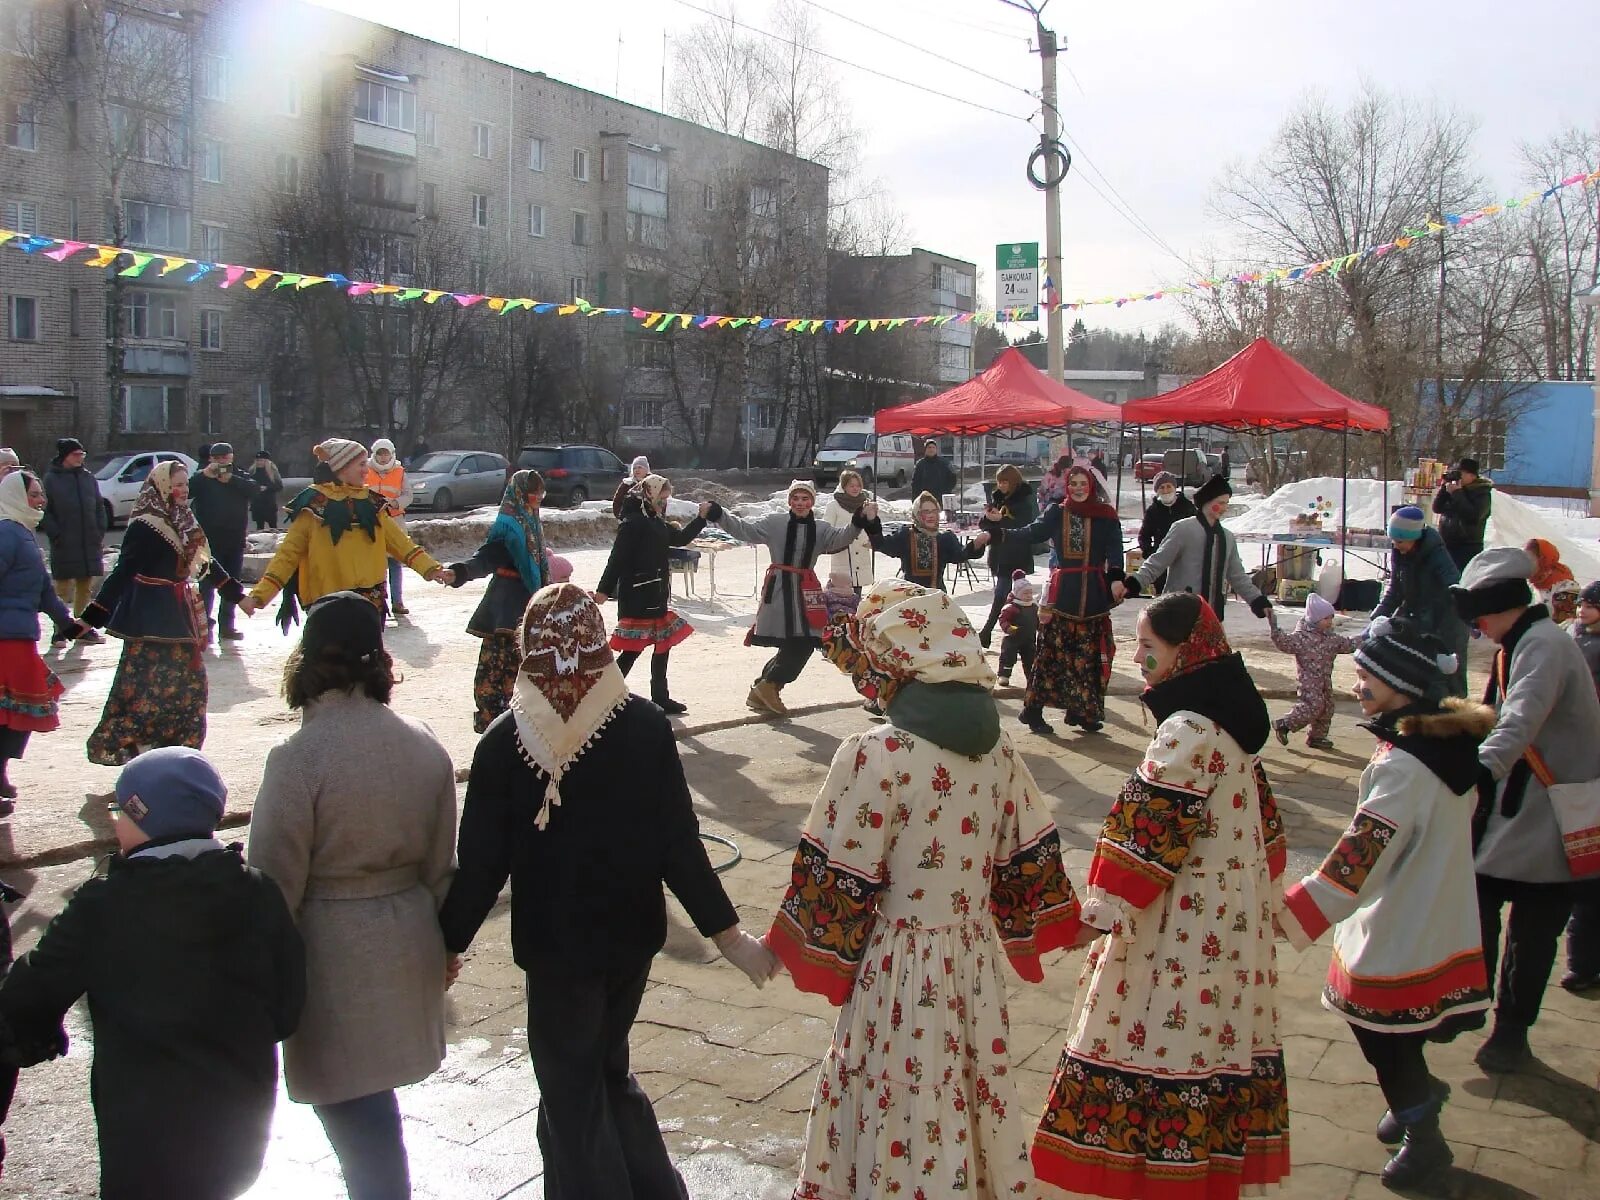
(1314, 645)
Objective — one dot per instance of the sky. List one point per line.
(1159, 97)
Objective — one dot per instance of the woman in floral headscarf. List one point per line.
(514, 558)
(578, 797)
(1172, 1081)
(150, 601)
(929, 855)
(636, 574)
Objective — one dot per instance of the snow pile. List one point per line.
(1369, 506)
(1513, 522)
(888, 510)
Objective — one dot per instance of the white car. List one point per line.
(122, 475)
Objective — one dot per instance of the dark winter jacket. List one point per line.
(932, 475)
(1419, 588)
(25, 589)
(264, 504)
(1159, 518)
(923, 556)
(1020, 625)
(1464, 514)
(194, 971)
(223, 509)
(586, 890)
(1017, 509)
(75, 523)
(504, 600)
(147, 596)
(636, 573)
(1090, 558)
(1588, 640)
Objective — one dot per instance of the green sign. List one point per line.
(1016, 281)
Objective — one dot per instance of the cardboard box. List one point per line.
(1294, 591)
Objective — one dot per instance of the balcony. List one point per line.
(384, 182)
(383, 139)
(156, 359)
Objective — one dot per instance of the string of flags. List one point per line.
(131, 263)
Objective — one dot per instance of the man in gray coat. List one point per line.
(1199, 555)
(1548, 730)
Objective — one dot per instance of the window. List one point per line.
(430, 129)
(642, 414)
(288, 174)
(22, 318)
(74, 306)
(148, 137)
(535, 154)
(289, 97)
(152, 408)
(479, 276)
(605, 164)
(707, 363)
(953, 356)
(213, 77)
(72, 126)
(480, 210)
(211, 160)
(481, 147)
(16, 29)
(373, 185)
(430, 200)
(536, 220)
(211, 411)
(763, 201)
(708, 197)
(211, 242)
(952, 279)
(605, 226)
(706, 249)
(580, 165)
(379, 104)
(21, 215)
(649, 231)
(650, 353)
(21, 124)
(158, 226)
(647, 200)
(72, 216)
(150, 315)
(385, 256)
(579, 285)
(580, 228)
(211, 329)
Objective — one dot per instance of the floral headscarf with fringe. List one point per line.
(928, 638)
(174, 520)
(568, 687)
(844, 645)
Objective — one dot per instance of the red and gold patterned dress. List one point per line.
(918, 870)
(1171, 1083)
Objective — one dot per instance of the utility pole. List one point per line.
(1056, 162)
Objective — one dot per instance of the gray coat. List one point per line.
(782, 612)
(356, 821)
(75, 523)
(1549, 703)
(1181, 555)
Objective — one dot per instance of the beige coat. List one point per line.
(356, 821)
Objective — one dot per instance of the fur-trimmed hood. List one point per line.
(1457, 717)
(1446, 741)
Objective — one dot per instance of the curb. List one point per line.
(57, 856)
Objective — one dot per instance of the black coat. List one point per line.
(1159, 518)
(932, 475)
(264, 504)
(130, 607)
(1018, 509)
(636, 572)
(75, 523)
(223, 509)
(585, 891)
(504, 600)
(194, 971)
(1464, 514)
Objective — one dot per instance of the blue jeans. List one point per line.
(366, 1136)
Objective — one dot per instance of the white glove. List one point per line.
(749, 954)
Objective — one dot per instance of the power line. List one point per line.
(845, 62)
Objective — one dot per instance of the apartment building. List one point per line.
(273, 133)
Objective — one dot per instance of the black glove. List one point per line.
(1261, 606)
(458, 574)
(1131, 582)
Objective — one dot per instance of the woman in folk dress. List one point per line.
(1172, 1082)
(929, 855)
(149, 600)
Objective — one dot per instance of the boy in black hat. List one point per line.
(194, 972)
(1462, 506)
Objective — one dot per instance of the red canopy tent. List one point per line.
(1011, 397)
(1261, 389)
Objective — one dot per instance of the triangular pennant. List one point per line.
(65, 251)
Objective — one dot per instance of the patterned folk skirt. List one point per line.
(1072, 667)
(643, 633)
(498, 662)
(157, 698)
(28, 689)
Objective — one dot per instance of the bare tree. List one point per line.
(1563, 238)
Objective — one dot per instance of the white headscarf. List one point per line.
(14, 504)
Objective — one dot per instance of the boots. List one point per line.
(1033, 717)
(1423, 1155)
(1391, 1132)
(764, 698)
(1506, 1050)
(659, 694)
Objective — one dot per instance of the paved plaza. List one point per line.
(730, 1068)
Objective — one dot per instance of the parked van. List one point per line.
(850, 445)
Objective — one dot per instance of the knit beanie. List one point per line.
(639, 461)
(1495, 581)
(1469, 465)
(1590, 595)
(338, 453)
(1212, 489)
(65, 446)
(802, 485)
(172, 792)
(1021, 587)
(560, 569)
(1406, 524)
(1317, 608)
(1162, 479)
(343, 625)
(1406, 657)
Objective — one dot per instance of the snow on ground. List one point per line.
(1514, 520)
(1370, 501)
